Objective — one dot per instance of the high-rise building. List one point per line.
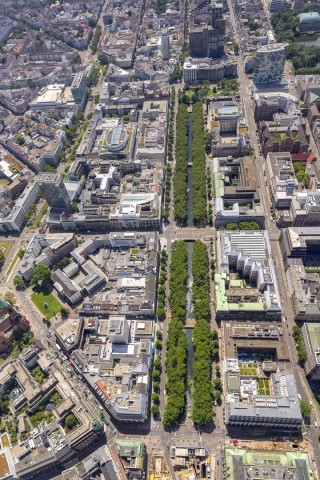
(269, 64)
(54, 190)
(79, 87)
(165, 46)
(208, 40)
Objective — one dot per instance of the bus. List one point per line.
(103, 418)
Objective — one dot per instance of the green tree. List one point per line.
(180, 175)
(77, 60)
(156, 386)
(157, 364)
(70, 421)
(37, 374)
(2, 257)
(63, 263)
(21, 252)
(92, 23)
(155, 398)
(155, 410)
(156, 375)
(50, 169)
(41, 274)
(18, 282)
(236, 48)
(56, 398)
(199, 195)
(217, 384)
(64, 311)
(20, 140)
(103, 59)
(305, 409)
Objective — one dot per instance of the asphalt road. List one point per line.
(301, 381)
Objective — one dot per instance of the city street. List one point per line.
(302, 383)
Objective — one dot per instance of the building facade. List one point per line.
(269, 64)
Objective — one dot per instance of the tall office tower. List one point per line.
(165, 45)
(208, 40)
(216, 12)
(54, 190)
(269, 64)
(79, 87)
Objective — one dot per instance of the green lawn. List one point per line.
(248, 371)
(5, 247)
(44, 297)
(37, 221)
(12, 264)
(263, 387)
(5, 441)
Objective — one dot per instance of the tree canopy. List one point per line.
(41, 274)
(70, 421)
(176, 358)
(199, 198)
(305, 409)
(202, 399)
(180, 175)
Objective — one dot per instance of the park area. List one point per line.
(5, 441)
(4, 467)
(4, 247)
(250, 369)
(263, 387)
(46, 303)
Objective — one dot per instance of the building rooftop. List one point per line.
(309, 17)
(243, 463)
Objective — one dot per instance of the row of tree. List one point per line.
(199, 197)
(202, 404)
(156, 376)
(200, 287)
(301, 175)
(243, 226)
(171, 123)
(176, 357)
(161, 299)
(168, 174)
(302, 353)
(180, 179)
(95, 39)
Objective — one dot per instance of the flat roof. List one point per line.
(241, 463)
(249, 336)
(314, 335)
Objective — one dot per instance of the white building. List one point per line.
(13, 222)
